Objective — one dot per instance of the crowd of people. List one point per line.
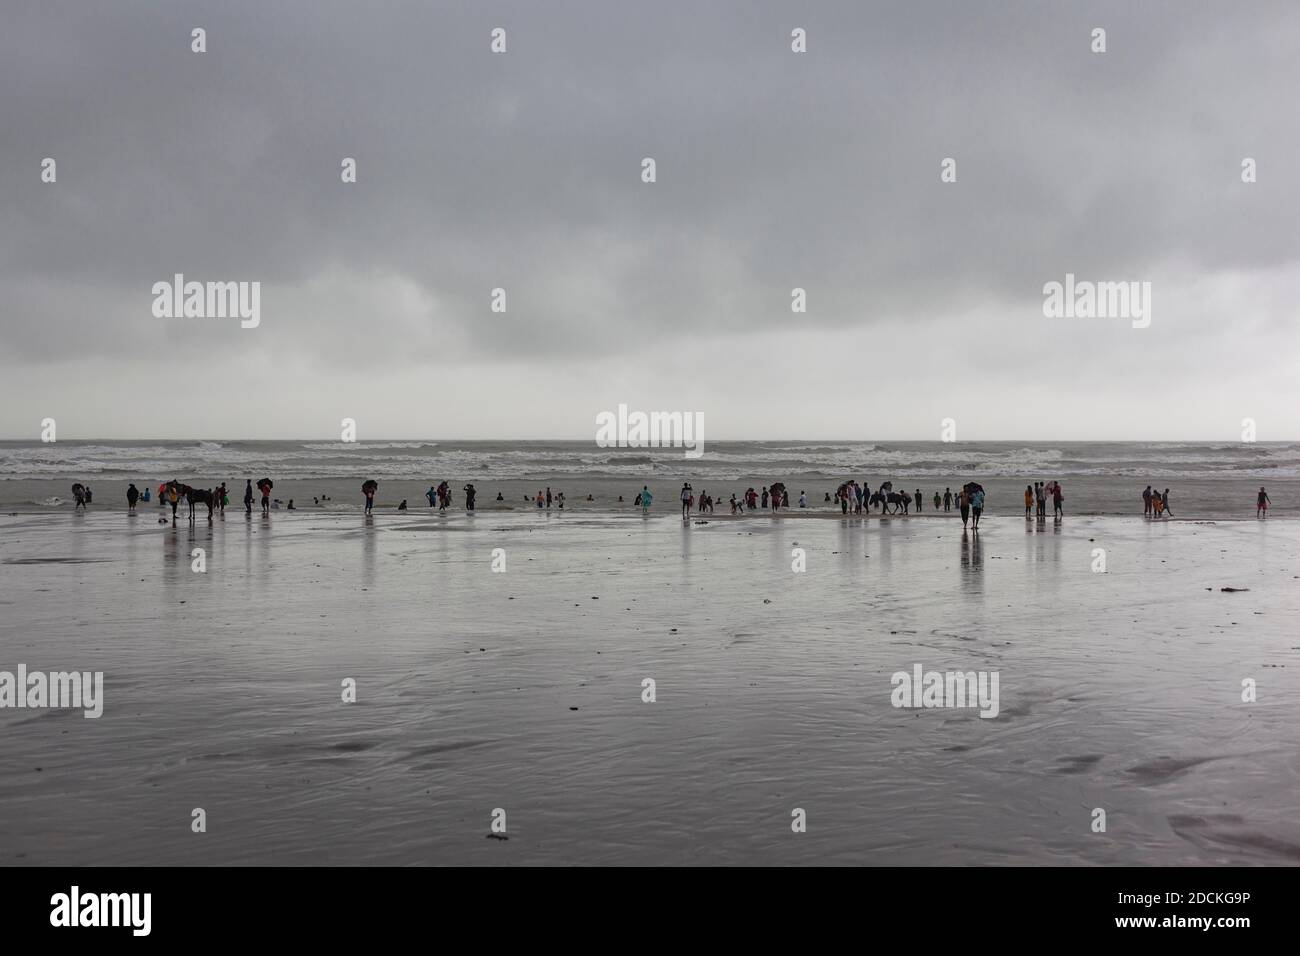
(851, 497)
(1037, 496)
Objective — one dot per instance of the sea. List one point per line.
(1205, 479)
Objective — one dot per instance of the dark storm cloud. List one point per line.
(521, 170)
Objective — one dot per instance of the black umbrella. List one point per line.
(78, 487)
(266, 483)
(369, 485)
(777, 486)
(971, 487)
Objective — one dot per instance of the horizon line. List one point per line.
(669, 447)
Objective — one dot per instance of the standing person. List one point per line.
(947, 499)
(248, 497)
(686, 499)
(963, 505)
(1040, 494)
(1029, 500)
(173, 498)
(431, 495)
(976, 508)
(132, 496)
(79, 493)
(1262, 502)
(1057, 498)
(764, 498)
(225, 497)
(785, 498)
(1146, 502)
(471, 493)
(266, 498)
(1164, 503)
(145, 495)
(938, 500)
(918, 499)
(369, 489)
(646, 498)
(548, 496)
(803, 499)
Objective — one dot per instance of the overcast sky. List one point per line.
(775, 170)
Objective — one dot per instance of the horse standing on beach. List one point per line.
(191, 495)
(204, 496)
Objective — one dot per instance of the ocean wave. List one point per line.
(208, 461)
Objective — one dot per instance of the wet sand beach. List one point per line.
(522, 690)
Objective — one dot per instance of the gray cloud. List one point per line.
(775, 170)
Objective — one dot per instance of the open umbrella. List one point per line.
(776, 486)
(266, 484)
(78, 488)
(369, 486)
(971, 487)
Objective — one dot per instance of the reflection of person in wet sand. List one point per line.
(971, 557)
